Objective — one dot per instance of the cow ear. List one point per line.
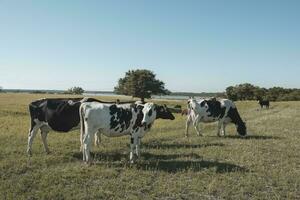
(160, 108)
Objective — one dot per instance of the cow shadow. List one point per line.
(252, 137)
(159, 145)
(170, 163)
(174, 166)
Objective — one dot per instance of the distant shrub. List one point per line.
(247, 91)
(39, 92)
(177, 106)
(74, 90)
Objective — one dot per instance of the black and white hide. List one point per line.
(118, 120)
(211, 110)
(57, 114)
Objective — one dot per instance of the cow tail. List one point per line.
(82, 128)
(31, 111)
(34, 112)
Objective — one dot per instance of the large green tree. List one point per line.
(140, 83)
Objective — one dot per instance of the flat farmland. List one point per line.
(263, 165)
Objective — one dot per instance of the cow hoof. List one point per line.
(29, 153)
(133, 159)
(48, 152)
(88, 163)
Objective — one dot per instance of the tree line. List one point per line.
(142, 83)
(248, 91)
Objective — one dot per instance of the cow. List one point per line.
(211, 110)
(263, 103)
(117, 120)
(58, 114)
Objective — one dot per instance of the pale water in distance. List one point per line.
(111, 94)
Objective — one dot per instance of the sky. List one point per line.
(192, 46)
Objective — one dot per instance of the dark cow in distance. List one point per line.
(58, 114)
(118, 120)
(263, 103)
(211, 110)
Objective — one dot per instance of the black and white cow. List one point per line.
(118, 120)
(56, 114)
(210, 110)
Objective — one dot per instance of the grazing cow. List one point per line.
(263, 103)
(58, 114)
(118, 120)
(210, 110)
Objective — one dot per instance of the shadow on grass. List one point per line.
(173, 166)
(170, 163)
(158, 145)
(115, 156)
(253, 137)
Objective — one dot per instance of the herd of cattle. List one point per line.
(112, 119)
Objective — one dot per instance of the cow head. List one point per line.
(191, 103)
(242, 129)
(152, 111)
(163, 112)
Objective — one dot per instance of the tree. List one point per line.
(247, 91)
(140, 83)
(260, 93)
(231, 93)
(75, 90)
(1, 89)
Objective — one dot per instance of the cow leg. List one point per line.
(223, 129)
(133, 143)
(81, 141)
(219, 128)
(32, 133)
(44, 139)
(196, 124)
(137, 147)
(87, 140)
(187, 126)
(97, 138)
(198, 129)
(131, 149)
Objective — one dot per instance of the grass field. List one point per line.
(265, 165)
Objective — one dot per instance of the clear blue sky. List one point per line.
(191, 45)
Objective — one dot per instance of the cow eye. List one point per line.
(150, 113)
